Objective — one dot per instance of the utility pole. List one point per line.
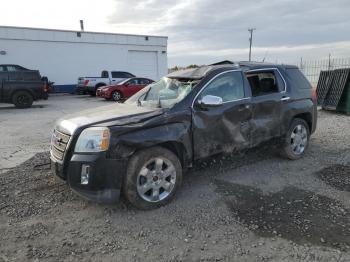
(251, 30)
(82, 25)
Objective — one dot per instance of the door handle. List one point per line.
(285, 98)
(243, 107)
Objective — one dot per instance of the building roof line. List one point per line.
(75, 31)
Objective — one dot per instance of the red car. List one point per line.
(124, 89)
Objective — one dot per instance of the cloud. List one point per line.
(203, 30)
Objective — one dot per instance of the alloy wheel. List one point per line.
(156, 179)
(299, 139)
(116, 96)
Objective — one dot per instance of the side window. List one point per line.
(104, 74)
(127, 75)
(228, 86)
(11, 68)
(144, 82)
(262, 83)
(133, 82)
(2, 69)
(298, 80)
(117, 74)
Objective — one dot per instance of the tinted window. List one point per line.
(133, 82)
(11, 68)
(104, 74)
(121, 75)
(262, 83)
(2, 69)
(144, 81)
(228, 86)
(298, 80)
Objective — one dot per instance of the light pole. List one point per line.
(251, 42)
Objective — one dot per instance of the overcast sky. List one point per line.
(204, 31)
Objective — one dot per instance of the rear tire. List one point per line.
(22, 99)
(152, 179)
(296, 140)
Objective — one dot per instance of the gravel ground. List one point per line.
(25, 132)
(254, 206)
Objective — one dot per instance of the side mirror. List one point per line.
(210, 101)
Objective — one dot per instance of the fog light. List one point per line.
(85, 170)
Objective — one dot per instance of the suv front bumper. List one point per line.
(105, 176)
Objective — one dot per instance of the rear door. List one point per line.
(226, 127)
(268, 94)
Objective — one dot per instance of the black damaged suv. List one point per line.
(140, 148)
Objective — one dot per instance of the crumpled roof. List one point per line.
(192, 73)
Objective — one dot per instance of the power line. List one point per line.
(251, 30)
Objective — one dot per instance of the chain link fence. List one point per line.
(312, 68)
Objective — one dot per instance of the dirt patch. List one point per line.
(337, 176)
(293, 214)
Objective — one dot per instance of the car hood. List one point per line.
(119, 114)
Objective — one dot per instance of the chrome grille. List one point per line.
(59, 143)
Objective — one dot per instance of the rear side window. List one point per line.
(122, 75)
(262, 83)
(2, 69)
(104, 74)
(228, 86)
(297, 79)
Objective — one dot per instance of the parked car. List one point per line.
(89, 85)
(12, 68)
(21, 86)
(142, 147)
(124, 89)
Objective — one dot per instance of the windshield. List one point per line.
(163, 94)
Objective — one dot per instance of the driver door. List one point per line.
(222, 127)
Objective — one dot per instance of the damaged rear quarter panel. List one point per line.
(169, 128)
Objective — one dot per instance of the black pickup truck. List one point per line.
(21, 86)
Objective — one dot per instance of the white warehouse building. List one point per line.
(64, 55)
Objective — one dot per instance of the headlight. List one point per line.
(93, 139)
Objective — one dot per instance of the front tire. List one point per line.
(116, 96)
(296, 140)
(22, 99)
(152, 179)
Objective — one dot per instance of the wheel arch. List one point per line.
(307, 117)
(172, 137)
(22, 90)
(178, 149)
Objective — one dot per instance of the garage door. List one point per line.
(143, 64)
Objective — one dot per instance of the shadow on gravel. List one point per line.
(224, 162)
(293, 214)
(337, 176)
(22, 109)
